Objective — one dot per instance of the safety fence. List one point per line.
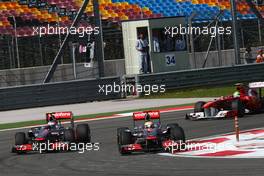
(205, 77)
(56, 93)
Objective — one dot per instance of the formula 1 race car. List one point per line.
(54, 134)
(149, 136)
(245, 100)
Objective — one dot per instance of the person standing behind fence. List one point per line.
(260, 56)
(142, 48)
(248, 56)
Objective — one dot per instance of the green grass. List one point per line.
(40, 122)
(196, 92)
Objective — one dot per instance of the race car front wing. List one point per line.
(166, 146)
(219, 115)
(40, 147)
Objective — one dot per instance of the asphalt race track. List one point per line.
(107, 160)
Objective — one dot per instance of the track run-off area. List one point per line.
(107, 161)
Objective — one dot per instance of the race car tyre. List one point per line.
(238, 106)
(177, 133)
(121, 129)
(198, 106)
(20, 138)
(69, 135)
(83, 133)
(172, 125)
(124, 137)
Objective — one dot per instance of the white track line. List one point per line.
(116, 116)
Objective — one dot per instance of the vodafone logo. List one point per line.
(154, 114)
(63, 114)
(141, 115)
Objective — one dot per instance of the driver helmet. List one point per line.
(149, 125)
(239, 86)
(260, 51)
(236, 94)
(52, 124)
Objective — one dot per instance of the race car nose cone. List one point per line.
(151, 137)
(40, 139)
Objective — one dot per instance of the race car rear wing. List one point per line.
(256, 85)
(60, 116)
(137, 116)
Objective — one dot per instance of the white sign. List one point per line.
(170, 60)
(88, 64)
(256, 85)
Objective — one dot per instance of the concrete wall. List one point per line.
(228, 58)
(35, 75)
(115, 67)
(212, 60)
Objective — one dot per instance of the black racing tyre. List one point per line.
(124, 137)
(187, 117)
(177, 133)
(172, 125)
(20, 138)
(198, 106)
(121, 129)
(238, 106)
(69, 135)
(83, 133)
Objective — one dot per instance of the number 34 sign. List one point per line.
(170, 60)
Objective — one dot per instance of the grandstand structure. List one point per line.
(20, 46)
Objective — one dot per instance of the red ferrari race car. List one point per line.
(149, 135)
(244, 100)
(53, 136)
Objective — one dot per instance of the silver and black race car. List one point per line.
(54, 135)
(150, 136)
